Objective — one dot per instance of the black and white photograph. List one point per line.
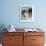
(26, 13)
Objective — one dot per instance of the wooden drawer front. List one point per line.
(33, 33)
(37, 39)
(37, 45)
(20, 44)
(13, 33)
(12, 39)
(5, 40)
(27, 41)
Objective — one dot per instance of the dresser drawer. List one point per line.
(37, 39)
(37, 44)
(13, 33)
(12, 39)
(34, 33)
(13, 44)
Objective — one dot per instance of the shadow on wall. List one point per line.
(2, 26)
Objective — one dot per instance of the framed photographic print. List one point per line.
(26, 13)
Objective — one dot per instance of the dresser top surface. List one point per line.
(22, 30)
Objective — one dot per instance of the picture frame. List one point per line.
(26, 13)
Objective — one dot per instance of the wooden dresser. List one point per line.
(23, 38)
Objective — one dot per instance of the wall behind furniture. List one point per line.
(10, 13)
